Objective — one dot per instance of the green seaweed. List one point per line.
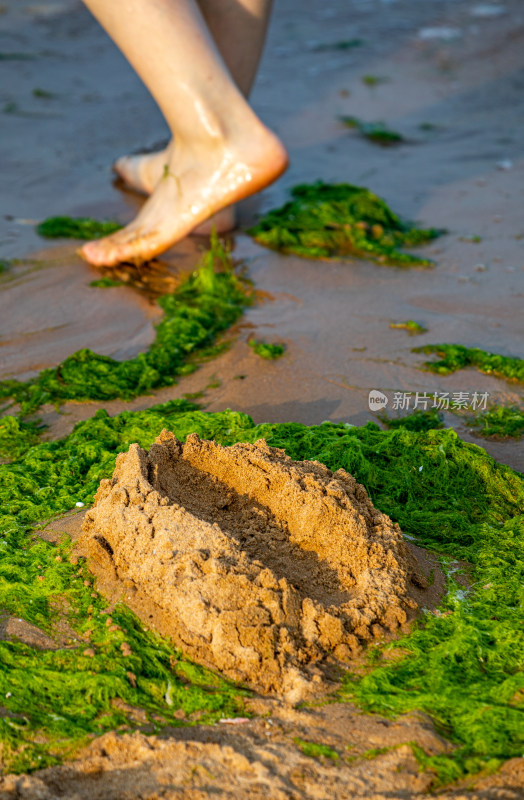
(43, 94)
(266, 349)
(106, 283)
(456, 356)
(314, 750)
(447, 769)
(463, 668)
(344, 44)
(373, 80)
(373, 752)
(214, 384)
(16, 437)
(208, 302)
(412, 327)
(376, 132)
(333, 221)
(417, 421)
(54, 699)
(500, 422)
(472, 239)
(75, 228)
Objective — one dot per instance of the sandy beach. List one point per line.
(449, 77)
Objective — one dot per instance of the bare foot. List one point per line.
(142, 172)
(193, 187)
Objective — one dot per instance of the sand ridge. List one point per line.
(261, 758)
(254, 564)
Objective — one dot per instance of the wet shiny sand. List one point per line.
(466, 174)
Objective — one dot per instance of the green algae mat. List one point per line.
(500, 422)
(269, 351)
(376, 132)
(76, 228)
(453, 357)
(413, 328)
(464, 667)
(204, 305)
(496, 422)
(335, 221)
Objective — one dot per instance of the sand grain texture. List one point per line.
(261, 759)
(254, 564)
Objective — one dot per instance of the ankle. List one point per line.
(213, 131)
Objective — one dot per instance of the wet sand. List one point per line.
(465, 174)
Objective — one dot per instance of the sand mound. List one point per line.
(254, 564)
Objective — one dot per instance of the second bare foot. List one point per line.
(143, 172)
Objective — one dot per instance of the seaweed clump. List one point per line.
(208, 302)
(456, 356)
(106, 283)
(315, 750)
(500, 422)
(373, 80)
(267, 350)
(376, 132)
(417, 421)
(16, 437)
(412, 327)
(345, 44)
(332, 221)
(76, 228)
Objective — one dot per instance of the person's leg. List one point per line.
(223, 151)
(239, 30)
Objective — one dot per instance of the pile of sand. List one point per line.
(254, 564)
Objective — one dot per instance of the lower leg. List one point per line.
(223, 152)
(239, 29)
